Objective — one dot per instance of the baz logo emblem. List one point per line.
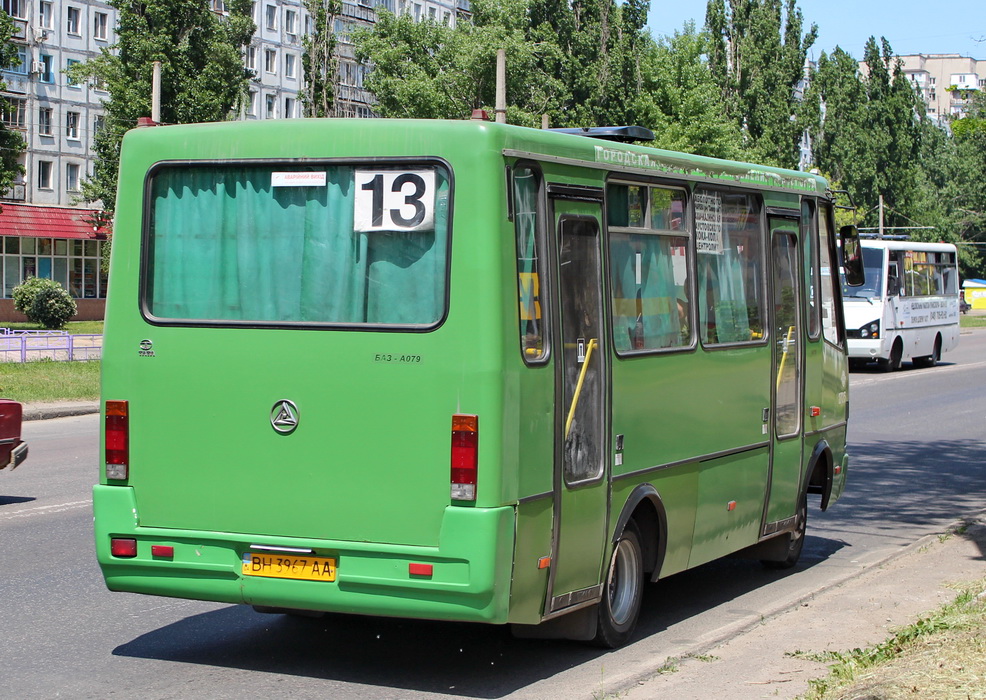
(146, 348)
(284, 417)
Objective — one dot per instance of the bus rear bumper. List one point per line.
(469, 577)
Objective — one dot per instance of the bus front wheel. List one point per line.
(623, 592)
(892, 363)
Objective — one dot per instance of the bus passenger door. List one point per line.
(787, 405)
(581, 483)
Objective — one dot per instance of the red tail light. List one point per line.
(465, 456)
(117, 440)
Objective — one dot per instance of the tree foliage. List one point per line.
(11, 142)
(319, 61)
(584, 63)
(757, 57)
(203, 78)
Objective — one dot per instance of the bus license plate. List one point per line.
(305, 568)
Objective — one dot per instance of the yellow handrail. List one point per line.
(593, 343)
(787, 344)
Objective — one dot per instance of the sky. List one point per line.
(911, 26)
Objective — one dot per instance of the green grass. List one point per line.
(940, 656)
(49, 380)
(74, 327)
(970, 321)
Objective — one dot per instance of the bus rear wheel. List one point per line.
(933, 359)
(796, 539)
(623, 592)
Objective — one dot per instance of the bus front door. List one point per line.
(581, 483)
(787, 407)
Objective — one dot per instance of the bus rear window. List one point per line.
(277, 244)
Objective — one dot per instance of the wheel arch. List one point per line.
(821, 472)
(646, 508)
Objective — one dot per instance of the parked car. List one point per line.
(13, 450)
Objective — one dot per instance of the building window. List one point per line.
(99, 25)
(46, 17)
(15, 8)
(288, 108)
(44, 174)
(251, 57)
(97, 124)
(271, 107)
(252, 107)
(271, 17)
(72, 20)
(289, 65)
(68, 78)
(46, 75)
(270, 60)
(291, 22)
(19, 65)
(72, 177)
(13, 113)
(72, 125)
(44, 121)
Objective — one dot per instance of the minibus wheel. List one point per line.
(892, 363)
(623, 591)
(796, 539)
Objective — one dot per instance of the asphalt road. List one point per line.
(918, 445)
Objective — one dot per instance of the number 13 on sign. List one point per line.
(393, 200)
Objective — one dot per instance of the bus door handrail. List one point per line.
(593, 343)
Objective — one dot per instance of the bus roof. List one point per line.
(432, 137)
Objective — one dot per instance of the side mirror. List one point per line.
(852, 256)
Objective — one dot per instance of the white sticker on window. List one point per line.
(298, 179)
(708, 223)
(393, 200)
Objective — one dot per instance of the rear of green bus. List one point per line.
(303, 347)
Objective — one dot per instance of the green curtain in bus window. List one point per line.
(529, 292)
(645, 297)
(728, 291)
(227, 245)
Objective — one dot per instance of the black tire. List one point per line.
(623, 591)
(796, 539)
(933, 359)
(892, 364)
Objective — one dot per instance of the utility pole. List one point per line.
(501, 86)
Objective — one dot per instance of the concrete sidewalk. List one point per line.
(859, 612)
(41, 411)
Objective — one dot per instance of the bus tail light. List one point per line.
(123, 547)
(465, 456)
(117, 440)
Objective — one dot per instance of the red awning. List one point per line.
(49, 222)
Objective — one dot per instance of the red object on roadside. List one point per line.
(13, 450)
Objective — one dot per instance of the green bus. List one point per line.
(460, 370)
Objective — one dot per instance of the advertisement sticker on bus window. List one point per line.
(708, 223)
(394, 200)
(298, 179)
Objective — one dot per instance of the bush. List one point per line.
(44, 302)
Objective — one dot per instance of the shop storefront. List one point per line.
(59, 243)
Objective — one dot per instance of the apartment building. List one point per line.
(946, 81)
(45, 231)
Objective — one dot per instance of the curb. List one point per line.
(46, 411)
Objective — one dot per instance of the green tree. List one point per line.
(319, 60)
(203, 78)
(684, 106)
(11, 142)
(757, 56)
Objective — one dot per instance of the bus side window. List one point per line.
(529, 230)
